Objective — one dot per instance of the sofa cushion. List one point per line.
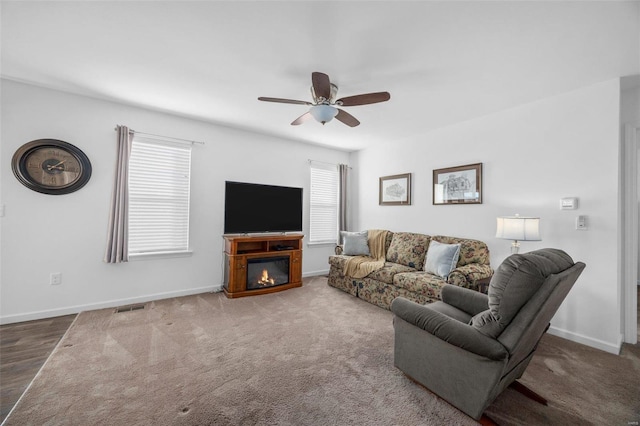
(471, 251)
(376, 292)
(420, 282)
(390, 269)
(408, 249)
(355, 243)
(441, 258)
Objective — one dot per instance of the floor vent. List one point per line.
(129, 308)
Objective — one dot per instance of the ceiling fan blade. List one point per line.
(304, 117)
(368, 98)
(321, 85)
(284, 101)
(347, 118)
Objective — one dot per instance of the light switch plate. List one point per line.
(581, 223)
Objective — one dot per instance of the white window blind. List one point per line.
(159, 187)
(323, 203)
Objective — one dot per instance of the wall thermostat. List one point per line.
(570, 203)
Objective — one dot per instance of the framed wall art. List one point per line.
(458, 185)
(395, 190)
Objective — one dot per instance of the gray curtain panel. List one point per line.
(343, 170)
(118, 215)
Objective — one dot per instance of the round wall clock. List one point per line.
(51, 166)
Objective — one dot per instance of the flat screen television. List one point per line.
(255, 208)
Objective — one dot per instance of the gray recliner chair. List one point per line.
(470, 346)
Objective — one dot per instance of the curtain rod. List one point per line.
(324, 162)
(164, 137)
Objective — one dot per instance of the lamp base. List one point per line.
(515, 247)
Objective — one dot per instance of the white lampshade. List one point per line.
(518, 228)
(323, 113)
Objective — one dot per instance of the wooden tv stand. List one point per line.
(239, 250)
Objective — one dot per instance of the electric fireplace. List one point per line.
(267, 272)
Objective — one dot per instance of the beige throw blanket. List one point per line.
(361, 266)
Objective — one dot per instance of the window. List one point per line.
(323, 203)
(159, 187)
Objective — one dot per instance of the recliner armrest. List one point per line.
(469, 301)
(448, 329)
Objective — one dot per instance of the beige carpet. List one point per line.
(306, 356)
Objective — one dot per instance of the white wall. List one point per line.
(44, 233)
(533, 155)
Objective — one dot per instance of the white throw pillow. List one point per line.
(356, 243)
(441, 258)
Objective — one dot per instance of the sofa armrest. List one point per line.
(448, 329)
(467, 275)
(467, 300)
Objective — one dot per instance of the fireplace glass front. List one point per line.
(267, 272)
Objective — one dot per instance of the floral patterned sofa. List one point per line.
(403, 273)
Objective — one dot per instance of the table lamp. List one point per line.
(518, 228)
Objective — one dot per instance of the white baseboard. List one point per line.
(30, 316)
(315, 273)
(589, 341)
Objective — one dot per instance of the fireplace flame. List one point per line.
(266, 280)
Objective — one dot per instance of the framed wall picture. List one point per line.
(458, 185)
(395, 190)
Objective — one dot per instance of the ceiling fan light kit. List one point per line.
(323, 108)
(323, 113)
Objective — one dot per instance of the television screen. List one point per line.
(253, 208)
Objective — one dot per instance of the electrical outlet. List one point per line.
(55, 278)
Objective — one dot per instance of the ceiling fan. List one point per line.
(323, 108)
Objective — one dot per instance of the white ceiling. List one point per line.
(442, 62)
